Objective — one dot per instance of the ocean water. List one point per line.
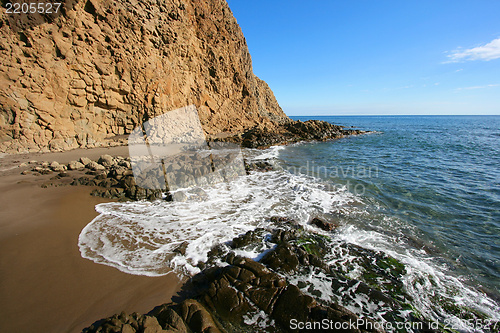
(423, 189)
(438, 175)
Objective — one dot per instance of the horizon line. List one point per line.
(391, 115)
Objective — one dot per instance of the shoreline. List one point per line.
(44, 280)
(113, 292)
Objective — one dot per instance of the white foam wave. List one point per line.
(267, 154)
(427, 280)
(146, 238)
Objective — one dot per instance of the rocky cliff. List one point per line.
(87, 76)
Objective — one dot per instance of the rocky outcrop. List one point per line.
(286, 286)
(242, 296)
(112, 177)
(89, 75)
(291, 132)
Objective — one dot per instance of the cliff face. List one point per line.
(89, 76)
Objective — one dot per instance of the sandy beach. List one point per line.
(45, 285)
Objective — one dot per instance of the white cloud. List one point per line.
(478, 87)
(486, 52)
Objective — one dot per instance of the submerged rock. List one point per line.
(261, 166)
(324, 225)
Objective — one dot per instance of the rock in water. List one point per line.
(327, 226)
(242, 295)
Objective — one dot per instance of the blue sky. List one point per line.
(376, 57)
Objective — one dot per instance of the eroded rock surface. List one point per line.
(89, 76)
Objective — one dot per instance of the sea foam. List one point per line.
(144, 238)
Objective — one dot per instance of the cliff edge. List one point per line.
(87, 76)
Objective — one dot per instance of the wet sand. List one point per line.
(45, 285)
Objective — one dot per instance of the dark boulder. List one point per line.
(324, 225)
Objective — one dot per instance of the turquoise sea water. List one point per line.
(432, 179)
